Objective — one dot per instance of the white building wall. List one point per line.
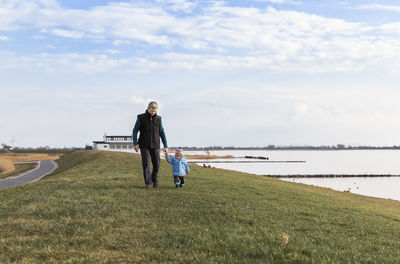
(99, 146)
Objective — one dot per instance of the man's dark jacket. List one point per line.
(151, 129)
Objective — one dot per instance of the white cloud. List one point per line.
(217, 37)
(178, 5)
(380, 7)
(67, 33)
(280, 1)
(335, 56)
(119, 42)
(138, 100)
(68, 62)
(17, 13)
(112, 51)
(4, 38)
(390, 28)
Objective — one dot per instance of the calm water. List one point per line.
(349, 162)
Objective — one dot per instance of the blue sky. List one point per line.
(232, 73)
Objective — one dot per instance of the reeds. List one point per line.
(7, 161)
(6, 165)
(29, 157)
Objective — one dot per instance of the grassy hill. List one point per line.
(95, 209)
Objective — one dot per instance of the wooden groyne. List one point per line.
(256, 157)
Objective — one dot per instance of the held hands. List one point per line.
(165, 149)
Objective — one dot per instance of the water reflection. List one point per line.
(383, 187)
(340, 162)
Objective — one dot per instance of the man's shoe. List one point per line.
(148, 186)
(155, 184)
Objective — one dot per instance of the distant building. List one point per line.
(117, 143)
(5, 147)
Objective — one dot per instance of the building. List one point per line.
(118, 143)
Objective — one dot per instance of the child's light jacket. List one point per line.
(179, 167)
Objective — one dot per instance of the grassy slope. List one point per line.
(95, 209)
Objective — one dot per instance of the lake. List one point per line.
(328, 162)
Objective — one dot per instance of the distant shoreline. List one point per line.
(333, 176)
(286, 148)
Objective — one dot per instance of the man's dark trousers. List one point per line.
(153, 155)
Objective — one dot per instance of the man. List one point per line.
(151, 130)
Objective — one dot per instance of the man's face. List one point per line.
(152, 111)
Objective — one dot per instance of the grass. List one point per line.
(94, 209)
(19, 168)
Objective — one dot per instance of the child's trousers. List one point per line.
(179, 180)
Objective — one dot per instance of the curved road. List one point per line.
(45, 167)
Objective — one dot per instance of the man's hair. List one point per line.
(153, 105)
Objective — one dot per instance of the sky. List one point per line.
(225, 73)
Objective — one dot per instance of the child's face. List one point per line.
(178, 155)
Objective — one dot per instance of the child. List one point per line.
(180, 167)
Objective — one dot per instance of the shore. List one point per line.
(333, 176)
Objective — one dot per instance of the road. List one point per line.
(45, 167)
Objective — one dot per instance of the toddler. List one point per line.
(180, 167)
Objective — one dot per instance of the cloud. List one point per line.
(280, 1)
(178, 5)
(217, 36)
(380, 7)
(391, 28)
(4, 38)
(19, 13)
(119, 42)
(68, 62)
(138, 100)
(67, 33)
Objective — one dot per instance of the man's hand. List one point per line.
(188, 172)
(166, 151)
(136, 148)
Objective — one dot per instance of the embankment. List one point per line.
(94, 209)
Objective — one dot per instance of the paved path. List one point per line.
(45, 167)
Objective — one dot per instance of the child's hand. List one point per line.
(188, 172)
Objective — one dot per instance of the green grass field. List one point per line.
(95, 209)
